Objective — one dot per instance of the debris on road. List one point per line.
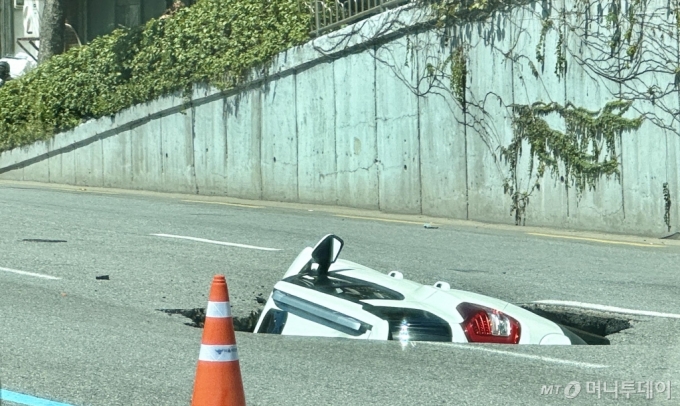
(430, 226)
(197, 316)
(102, 277)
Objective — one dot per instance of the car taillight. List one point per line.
(484, 325)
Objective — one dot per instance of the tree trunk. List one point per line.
(52, 29)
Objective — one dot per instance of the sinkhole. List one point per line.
(197, 317)
(591, 325)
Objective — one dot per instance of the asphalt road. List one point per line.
(83, 341)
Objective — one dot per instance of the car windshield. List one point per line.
(345, 287)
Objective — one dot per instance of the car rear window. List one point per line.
(413, 324)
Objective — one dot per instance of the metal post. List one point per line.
(337, 12)
(6, 27)
(85, 35)
(316, 14)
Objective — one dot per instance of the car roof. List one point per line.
(414, 292)
(354, 270)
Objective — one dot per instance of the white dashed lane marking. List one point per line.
(518, 355)
(230, 244)
(24, 273)
(605, 308)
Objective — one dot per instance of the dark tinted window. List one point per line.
(344, 287)
(413, 324)
(273, 322)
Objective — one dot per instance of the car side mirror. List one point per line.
(327, 251)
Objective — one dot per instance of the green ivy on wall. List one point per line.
(459, 75)
(586, 150)
(214, 41)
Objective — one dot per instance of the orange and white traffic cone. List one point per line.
(218, 375)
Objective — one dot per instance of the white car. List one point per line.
(19, 64)
(324, 297)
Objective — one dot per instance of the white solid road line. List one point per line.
(37, 275)
(230, 244)
(518, 355)
(604, 308)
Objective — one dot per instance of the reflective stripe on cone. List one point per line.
(218, 353)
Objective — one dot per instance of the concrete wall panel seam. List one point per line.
(335, 127)
(160, 145)
(297, 132)
(226, 142)
(375, 125)
(466, 154)
(193, 147)
(262, 153)
(420, 149)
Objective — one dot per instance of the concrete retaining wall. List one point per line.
(352, 119)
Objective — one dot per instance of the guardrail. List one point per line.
(331, 14)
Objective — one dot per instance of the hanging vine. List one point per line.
(561, 64)
(459, 75)
(540, 47)
(586, 150)
(667, 205)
